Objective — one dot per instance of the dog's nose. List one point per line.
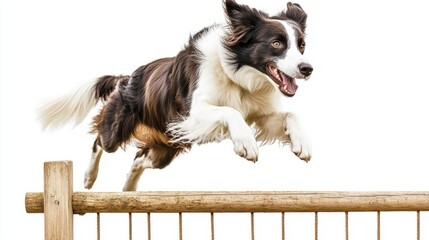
(306, 69)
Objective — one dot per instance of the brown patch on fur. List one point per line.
(144, 135)
(155, 146)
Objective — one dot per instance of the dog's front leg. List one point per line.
(301, 145)
(284, 127)
(208, 123)
(243, 139)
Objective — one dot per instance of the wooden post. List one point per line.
(58, 200)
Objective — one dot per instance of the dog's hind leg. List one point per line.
(139, 165)
(92, 171)
(157, 156)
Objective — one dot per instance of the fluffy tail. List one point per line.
(75, 106)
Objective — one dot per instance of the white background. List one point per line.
(365, 110)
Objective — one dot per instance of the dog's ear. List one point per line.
(242, 20)
(295, 13)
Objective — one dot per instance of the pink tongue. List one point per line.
(289, 82)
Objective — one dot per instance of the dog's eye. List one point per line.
(277, 44)
(302, 45)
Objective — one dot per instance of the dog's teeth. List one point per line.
(285, 89)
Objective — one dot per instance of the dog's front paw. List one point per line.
(246, 148)
(300, 145)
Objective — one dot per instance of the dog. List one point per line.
(227, 83)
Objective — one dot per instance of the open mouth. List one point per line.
(287, 84)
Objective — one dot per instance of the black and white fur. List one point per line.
(227, 83)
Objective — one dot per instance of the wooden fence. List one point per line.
(58, 202)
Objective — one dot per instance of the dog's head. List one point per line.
(274, 45)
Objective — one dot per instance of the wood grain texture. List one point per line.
(121, 202)
(58, 181)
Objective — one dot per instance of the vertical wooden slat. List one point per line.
(130, 225)
(180, 226)
(316, 225)
(58, 190)
(148, 227)
(98, 226)
(347, 225)
(283, 226)
(418, 225)
(212, 225)
(378, 225)
(252, 225)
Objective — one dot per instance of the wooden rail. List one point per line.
(173, 202)
(58, 202)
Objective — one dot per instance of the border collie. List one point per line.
(227, 82)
